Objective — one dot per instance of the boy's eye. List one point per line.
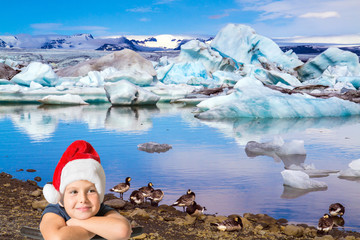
(92, 190)
(73, 192)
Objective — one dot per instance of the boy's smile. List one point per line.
(81, 199)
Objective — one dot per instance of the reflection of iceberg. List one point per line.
(291, 193)
(247, 129)
(129, 118)
(37, 125)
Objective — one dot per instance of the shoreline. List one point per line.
(21, 204)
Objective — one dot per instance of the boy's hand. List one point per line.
(72, 222)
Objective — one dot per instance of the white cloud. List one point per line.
(225, 13)
(144, 19)
(323, 15)
(140, 9)
(279, 18)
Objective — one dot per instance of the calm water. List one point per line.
(207, 157)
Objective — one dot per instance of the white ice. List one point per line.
(301, 180)
(126, 93)
(67, 99)
(352, 171)
(241, 43)
(36, 72)
(253, 100)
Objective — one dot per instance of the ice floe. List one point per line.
(352, 172)
(67, 99)
(301, 180)
(126, 93)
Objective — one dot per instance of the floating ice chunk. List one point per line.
(299, 179)
(36, 72)
(314, 68)
(291, 153)
(355, 165)
(152, 147)
(126, 93)
(171, 92)
(241, 43)
(253, 100)
(67, 99)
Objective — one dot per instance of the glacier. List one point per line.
(251, 75)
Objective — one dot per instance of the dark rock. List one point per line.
(32, 182)
(116, 203)
(38, 179)
(7, 72)
(30, 170)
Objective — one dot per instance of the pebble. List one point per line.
(115, 203)
(39, 204)
(36, 193)
(30, 170)
(38, 179)
(292, 230)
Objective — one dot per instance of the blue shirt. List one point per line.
(57, 209)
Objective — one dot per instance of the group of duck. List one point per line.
(332, 219)
(187, 201)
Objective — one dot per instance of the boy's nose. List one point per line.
(82, 197)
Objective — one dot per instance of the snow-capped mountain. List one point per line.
(87, 41)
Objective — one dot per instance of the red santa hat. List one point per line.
(80, 161)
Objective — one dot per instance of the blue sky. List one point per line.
(271, 18)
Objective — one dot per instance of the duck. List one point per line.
(336, 209)
(325, 224)
(185, 200)
(338, 221)
(156, 196)
(195, 209)
(230, 224)
(136, 197)
(122, 187)
(146, 191)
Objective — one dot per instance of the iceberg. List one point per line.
(299, 179)
(36, 72)
(314, 68)
(126, 62)
(125, 93)
(67, 99)
(253, 100)
(241, 43)
(352, 172)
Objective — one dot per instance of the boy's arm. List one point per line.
(53, 227)
(110, 226)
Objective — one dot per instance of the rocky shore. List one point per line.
(21, 204)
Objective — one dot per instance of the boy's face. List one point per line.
(81, 199)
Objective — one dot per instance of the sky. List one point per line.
(271, 18)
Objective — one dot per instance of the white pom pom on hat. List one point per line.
(80, 161)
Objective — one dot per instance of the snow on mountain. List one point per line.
(87, 41)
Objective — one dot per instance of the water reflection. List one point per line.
(291, 193)
(248, 129)
(133, 119)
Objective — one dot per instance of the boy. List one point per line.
(76, 194)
